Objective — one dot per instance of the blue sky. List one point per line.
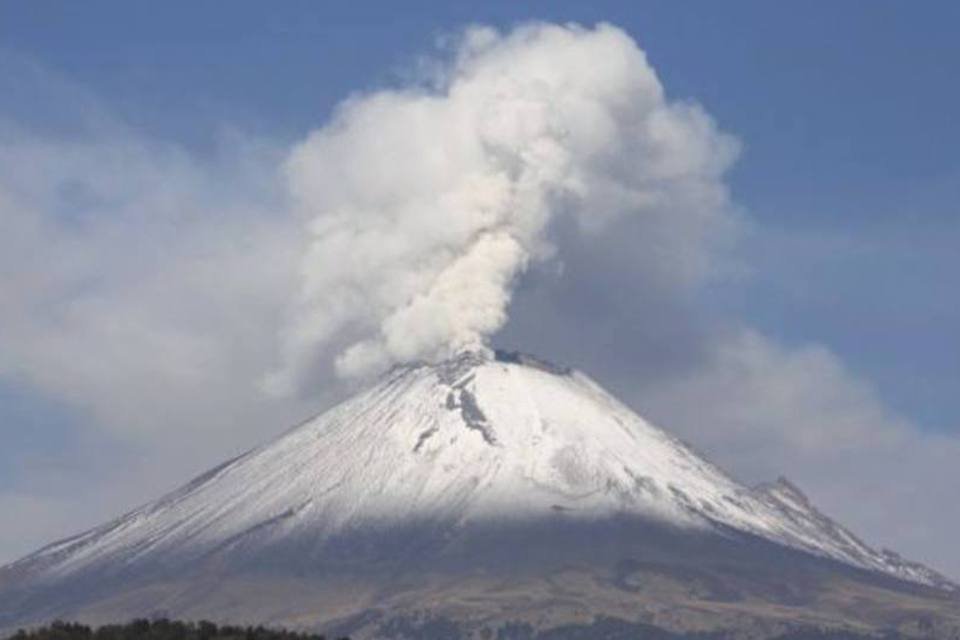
(848, 181)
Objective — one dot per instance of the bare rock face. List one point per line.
(489, 496)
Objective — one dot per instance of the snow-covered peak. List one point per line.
(476, 439)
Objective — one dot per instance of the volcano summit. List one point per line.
(482, 495)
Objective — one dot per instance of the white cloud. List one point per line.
(143, 285)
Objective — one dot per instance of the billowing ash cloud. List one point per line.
(425, 203)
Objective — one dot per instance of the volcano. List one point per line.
(490, 495)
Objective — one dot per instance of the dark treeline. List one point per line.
(159, 630)
(435, 629)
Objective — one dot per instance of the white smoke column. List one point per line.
(424, 204)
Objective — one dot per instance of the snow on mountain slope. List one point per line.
(471, 440)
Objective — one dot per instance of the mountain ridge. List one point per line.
(499, 463)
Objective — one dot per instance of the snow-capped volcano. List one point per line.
(424, 458)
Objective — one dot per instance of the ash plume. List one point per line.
(423, 204)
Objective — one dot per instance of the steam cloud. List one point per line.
(424, 204)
